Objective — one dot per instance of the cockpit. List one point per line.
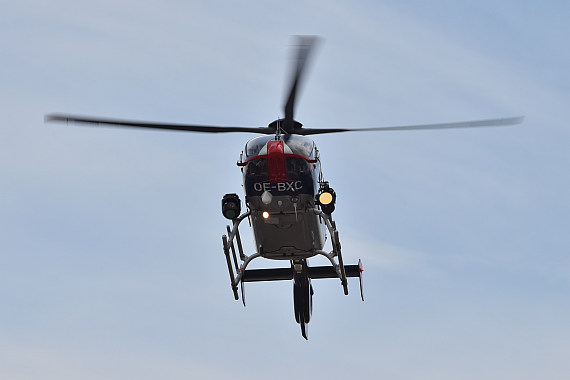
(291, 161)
(298, 145)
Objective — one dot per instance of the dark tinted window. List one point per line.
(297, 168)
(257, 169)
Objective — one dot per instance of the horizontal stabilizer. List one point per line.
(279, 274)
(274, 274)
(330, 272)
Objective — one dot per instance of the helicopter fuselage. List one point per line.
(289, 208)
(281, 179)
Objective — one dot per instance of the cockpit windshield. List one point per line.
(300, 145)
(255, 145)
(303, 146)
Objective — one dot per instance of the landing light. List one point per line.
(325, 198)
(265, 215)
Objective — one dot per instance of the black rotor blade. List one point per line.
(461, 124)
(305, 45)
(145, 124)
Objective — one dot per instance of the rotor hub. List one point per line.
(287, 126)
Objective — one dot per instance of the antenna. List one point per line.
(278, 130)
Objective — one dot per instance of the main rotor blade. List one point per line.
(305, 45)
(144, 124)
(461, 124)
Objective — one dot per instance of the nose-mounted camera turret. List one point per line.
(231, 206)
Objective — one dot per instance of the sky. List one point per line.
(111, 264)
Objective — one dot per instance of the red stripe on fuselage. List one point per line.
(276, 165)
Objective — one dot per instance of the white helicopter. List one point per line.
(288, 203)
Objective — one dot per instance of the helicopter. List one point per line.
(288, 203)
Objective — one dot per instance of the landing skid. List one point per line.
(300, 272)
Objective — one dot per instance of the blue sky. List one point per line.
(111, 261)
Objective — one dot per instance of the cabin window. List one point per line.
(257, 169)
(297, 168)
